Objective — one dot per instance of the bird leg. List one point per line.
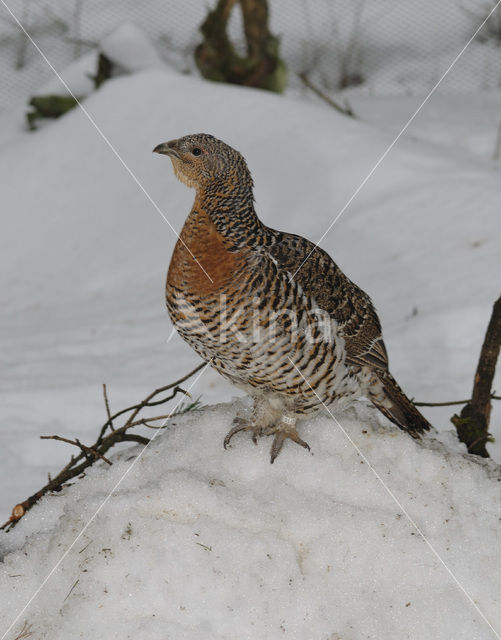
(282, 430)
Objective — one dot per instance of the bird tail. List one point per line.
(397, 407)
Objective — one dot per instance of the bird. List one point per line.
(269, 310)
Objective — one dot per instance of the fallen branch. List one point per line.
(147, 402)
(108, 437)
(346, 110)
(85, 449)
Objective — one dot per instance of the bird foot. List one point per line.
(281, 435)
(283, 430)
(243, 425)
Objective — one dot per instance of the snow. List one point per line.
(201, 542)
(129, 47)
(76, 75)
(471, 125)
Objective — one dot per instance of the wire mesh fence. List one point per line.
(379, 47)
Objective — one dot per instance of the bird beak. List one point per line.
(167, 148)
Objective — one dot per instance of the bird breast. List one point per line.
(254, 326)
(202, 262)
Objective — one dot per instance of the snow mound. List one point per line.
(198, 542)
(130, 48)
(83, 253)
(77, 76)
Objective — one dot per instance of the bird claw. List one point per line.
(280, 438)
(281, 435)
(242, 425)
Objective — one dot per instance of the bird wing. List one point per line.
(323, 281)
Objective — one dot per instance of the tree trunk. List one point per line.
(473, 422)
(217, 59)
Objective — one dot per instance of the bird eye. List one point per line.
(196, 151)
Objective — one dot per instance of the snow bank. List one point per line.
(198, 542)
(129, 47)
(83, 253)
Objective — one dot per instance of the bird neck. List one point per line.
(231, 209)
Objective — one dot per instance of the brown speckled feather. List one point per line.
(347, 304)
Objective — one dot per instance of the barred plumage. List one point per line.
(269, 310)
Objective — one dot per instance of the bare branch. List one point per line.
(107, 406)
(87, 450)
(146, 402)
(448, 404)
(346, 110)
(90, 454)
(145, 421)
(25, 632)
(133, 437)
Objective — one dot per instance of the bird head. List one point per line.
(200, 160)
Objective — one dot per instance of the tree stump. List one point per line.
(217, 59)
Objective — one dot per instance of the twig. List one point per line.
(77, 443)
(134, 437)
(182, 409)
(107, 405)
(448, 404)
(105, 441)
(146, 402)
(144, 422)
(25, 632)
(346, 110)
(70, 591)
(83, 548)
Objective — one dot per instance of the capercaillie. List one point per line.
(269, 310)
